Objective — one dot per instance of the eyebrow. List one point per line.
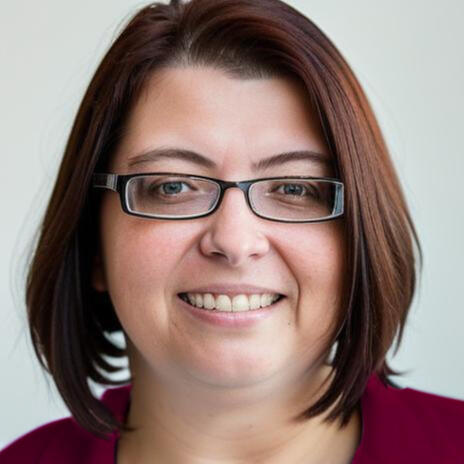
(201, 160)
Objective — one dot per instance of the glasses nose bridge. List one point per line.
(244, 186)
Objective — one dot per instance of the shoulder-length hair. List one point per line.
(69, 321)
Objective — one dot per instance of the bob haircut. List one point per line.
(69, 321)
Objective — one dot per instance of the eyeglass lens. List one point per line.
(285, 199)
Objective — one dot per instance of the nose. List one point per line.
(233, 231)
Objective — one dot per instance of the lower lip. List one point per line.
(228, 319)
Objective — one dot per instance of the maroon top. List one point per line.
(399, 426)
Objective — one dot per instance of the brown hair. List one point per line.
(70, 321)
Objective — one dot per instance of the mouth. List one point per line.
(218, 310)
(219, 303)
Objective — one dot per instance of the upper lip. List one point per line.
(232, 289)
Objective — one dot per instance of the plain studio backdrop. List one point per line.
(410, 60)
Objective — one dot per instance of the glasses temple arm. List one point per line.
(109, 181)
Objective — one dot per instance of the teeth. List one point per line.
(255, 301)
(208, 301)
(236, 304)
(223, 303)
(198, 300)
(240, 303)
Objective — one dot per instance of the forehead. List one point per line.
(231, 121)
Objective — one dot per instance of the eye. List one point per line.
(299, 189)
(171, 188)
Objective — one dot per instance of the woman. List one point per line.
(257, 322)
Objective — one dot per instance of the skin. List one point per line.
(203, 394)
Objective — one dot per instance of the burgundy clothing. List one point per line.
(399, 426)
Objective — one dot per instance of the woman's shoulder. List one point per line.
(428, 409)
(64, 440)
(409, 425)
(50, 441)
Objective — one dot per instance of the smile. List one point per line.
(226, 303)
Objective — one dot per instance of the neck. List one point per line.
(188, 423)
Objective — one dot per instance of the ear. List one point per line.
(98, 274)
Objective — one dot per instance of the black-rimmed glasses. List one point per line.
(167, 195)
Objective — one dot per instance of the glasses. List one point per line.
(167, 195)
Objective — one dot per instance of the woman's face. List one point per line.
(147, 263)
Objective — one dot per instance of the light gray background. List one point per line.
(409, 58)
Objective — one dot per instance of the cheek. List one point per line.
(140, 256)
(318, 263)
(316, 257)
